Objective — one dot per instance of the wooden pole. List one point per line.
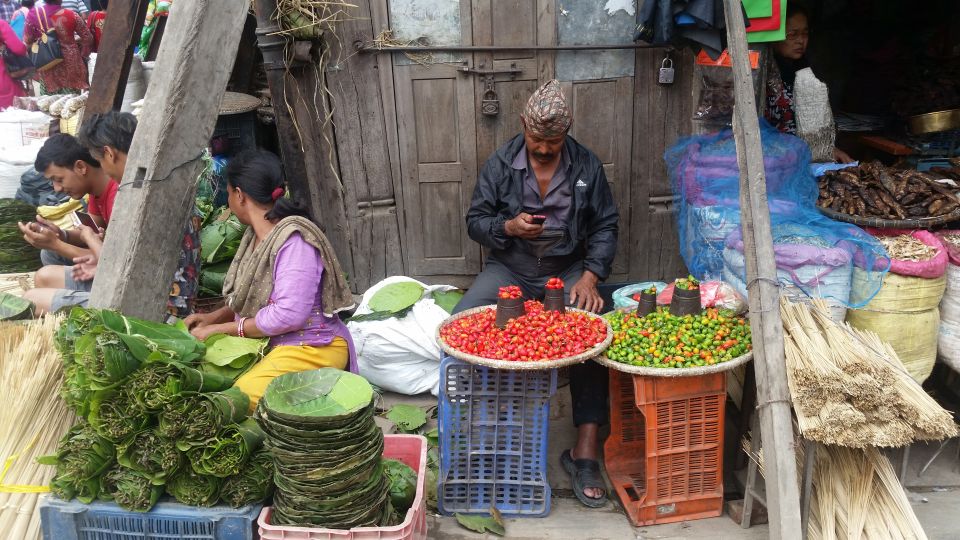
(121, 33)
(295, 84)
(156, 196)
(773, 394)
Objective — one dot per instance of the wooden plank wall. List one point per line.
(363, 128)
(662, 114)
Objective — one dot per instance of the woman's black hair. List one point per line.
(114, 129)
(259, 174)
(793, 8)
(64, 151)
(28, 3)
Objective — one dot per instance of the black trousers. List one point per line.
(589, 383)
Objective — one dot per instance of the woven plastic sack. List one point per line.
(948, 342)
(623, 297)
(931, 268)
(817, 258)
(705, 178)
(905, 314)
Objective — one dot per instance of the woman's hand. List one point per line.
(205, 331)
(199, 320)
(841, 157)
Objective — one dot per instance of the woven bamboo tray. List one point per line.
(674, 372)
(880, 223)
(520, 365)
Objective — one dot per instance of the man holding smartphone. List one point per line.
(543, 207)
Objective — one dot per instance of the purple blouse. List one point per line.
(294, 315)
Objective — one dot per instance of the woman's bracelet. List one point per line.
(240, 326)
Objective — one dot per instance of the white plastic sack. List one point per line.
(950, 305)
(948, 341)
(14, 161)
(20, 128)
(401, 355)
(830, 282)
(136, 85)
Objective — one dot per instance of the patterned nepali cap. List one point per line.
(547, 113)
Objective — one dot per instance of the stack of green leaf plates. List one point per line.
(326, 450)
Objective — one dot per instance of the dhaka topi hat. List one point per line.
(547, 113)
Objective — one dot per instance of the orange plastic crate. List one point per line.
(664, 455)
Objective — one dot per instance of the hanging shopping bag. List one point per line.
(45, 52)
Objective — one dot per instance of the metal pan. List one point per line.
(934, 122)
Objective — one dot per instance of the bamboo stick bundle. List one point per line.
(33, 418)
(849, 388)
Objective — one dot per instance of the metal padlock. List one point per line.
(666, 72)
(490, 103)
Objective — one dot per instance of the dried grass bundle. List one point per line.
(310, 19)
(849, 387)
(33, 418)
(856, 495)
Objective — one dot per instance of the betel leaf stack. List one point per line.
(326, 449)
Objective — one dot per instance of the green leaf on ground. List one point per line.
(407, 417)
(482, 524)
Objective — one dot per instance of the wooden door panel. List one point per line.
(437, 139)
(599, 109)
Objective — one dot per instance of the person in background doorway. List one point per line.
(544, 171)
(9, 88)
(19, 19)
(76, 43)
(789, 57)
(284, 283)
(95, 23)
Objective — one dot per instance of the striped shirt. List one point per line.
(8, 8)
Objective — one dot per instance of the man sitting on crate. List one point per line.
(544, 172)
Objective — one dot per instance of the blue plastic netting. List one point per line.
(814, 253)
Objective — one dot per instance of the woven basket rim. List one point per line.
(674, 372)
(518, 365)
(881, 223)
(238, 103)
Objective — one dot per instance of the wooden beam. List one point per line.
(121, 33)
(309, 162)
(773, 394)
(156, 196)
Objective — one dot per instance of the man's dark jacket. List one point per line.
(592, 221)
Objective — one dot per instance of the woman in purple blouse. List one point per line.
(285, 282)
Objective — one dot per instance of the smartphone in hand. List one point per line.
(538, 219)
(86, 219)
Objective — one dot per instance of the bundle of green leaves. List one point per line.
(156, 414)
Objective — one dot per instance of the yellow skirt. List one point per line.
(291, 359)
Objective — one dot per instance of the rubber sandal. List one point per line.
(585, 474)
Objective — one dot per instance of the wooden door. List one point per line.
(438, 163)
(444, 139)
(436, 139)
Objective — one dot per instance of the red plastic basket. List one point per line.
(410, 449)
(664, 455)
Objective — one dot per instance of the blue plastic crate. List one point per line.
(72, 520)
(493, 439)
